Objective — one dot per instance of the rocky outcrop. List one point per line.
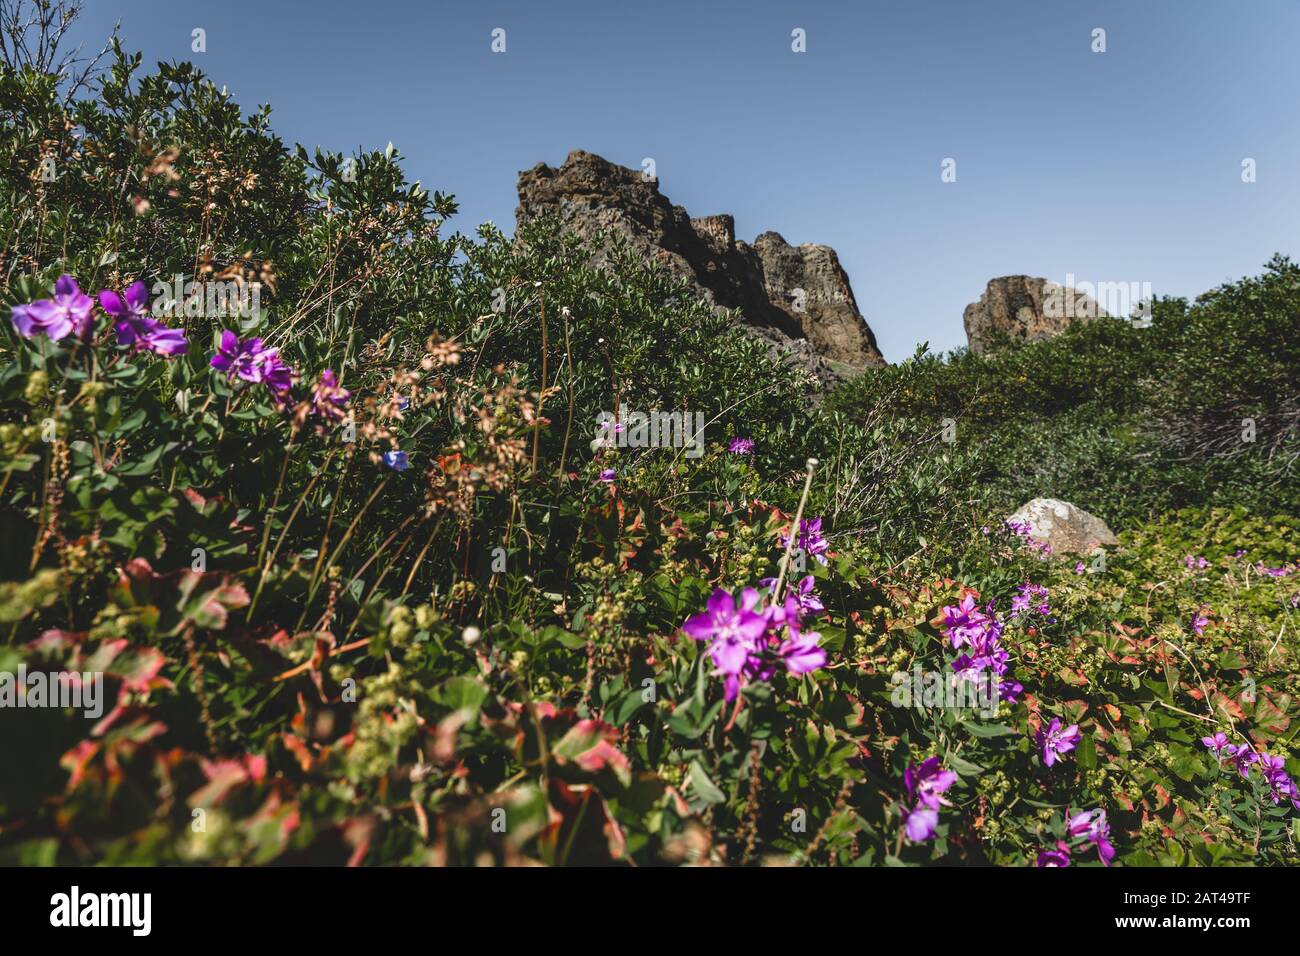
(796, 297)
(1069, 530)
(1024, 308)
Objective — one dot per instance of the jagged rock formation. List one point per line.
(1068, 529)
(1025, 308)
(796, 297)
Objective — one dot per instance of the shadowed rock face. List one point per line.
(796, 297)
(1026, 308)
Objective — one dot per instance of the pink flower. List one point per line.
(920, 824)
(1054, 741)
(733, 633)
(810, 539)
(69, 312)
(1059, 856)
(251, 361)
(328, 399)
(135, 327)
(928, 782)
(1092, 826)
(1217, 743)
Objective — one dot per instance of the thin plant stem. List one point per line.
(794, 530)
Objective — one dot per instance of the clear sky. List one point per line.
(1122, 166)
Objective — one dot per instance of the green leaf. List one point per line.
(702, 786)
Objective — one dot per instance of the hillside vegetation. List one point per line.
(366, 583)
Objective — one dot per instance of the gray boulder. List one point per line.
(1068, 529)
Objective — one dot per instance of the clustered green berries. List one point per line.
(385, 722)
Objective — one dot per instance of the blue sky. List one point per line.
(1123, 166)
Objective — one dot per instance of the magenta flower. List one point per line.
(251, 361)
(131, 310)
(966, 622)
(1216, 743)
(809, 603)
(741, 446)
(1280, 784)
(1243, 757)
(980, 631)
(801, 653)
(135, 327)
(68, 313)
(1092, 826)
(163, 341)
(927, 783)
(925, 788)
(1054, 741)
(1009, 689)
(747, 641)
(1030, 597)
(810, 540)
(328, 400)
(920, 824)
(733, 633)
(1056, 857)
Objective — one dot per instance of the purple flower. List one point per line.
(1079, 568)
(1279, 781)
(67, 313)
(809, 603)
(801, 652)
(1057, 857)
(1025, 597)
(1009, 690)
(920, 824)
(1199, 622)
(733, 633)
(1243, 757)
(966, 623)
(1054, 741)
(328, 399)
(131, 310)
(810, 539)
(608, 475)
(1216, 743)
(1092, 826)
(741, 446)
(927, 783)
(396, 460)
(746, 640)
(134, 326)
(251, 361)
(163, 341)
